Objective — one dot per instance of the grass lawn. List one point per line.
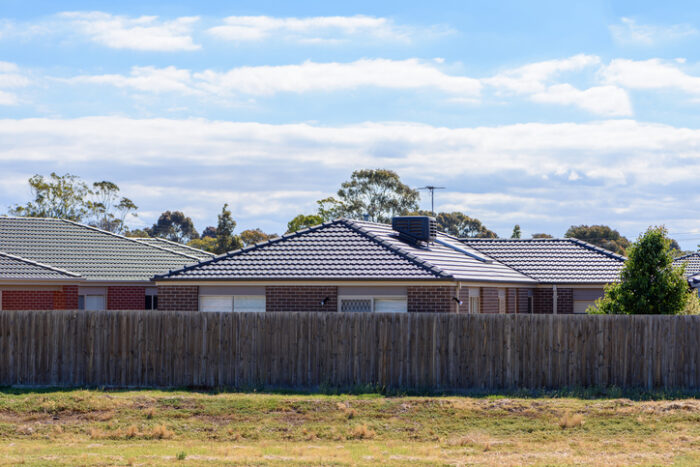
(81, 427)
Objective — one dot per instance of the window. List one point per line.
(91, 302)
(215, 303)
(390, 305)
(373, 304)
(474, 300)
(229, 303)
(502, 301)
(249, 303)
(356, 305)
(151, 302)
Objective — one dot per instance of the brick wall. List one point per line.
(489, 300)
(511, 299)
(178, 298)
(432, 299)
(64, 299)
(543, 301)
(522, 300)
(126, 298)
(301, 298)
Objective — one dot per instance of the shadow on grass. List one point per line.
(589, 393)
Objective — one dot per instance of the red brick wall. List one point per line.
(522, 300)
(432, 299)
(64, 299)
(489, 300)
(126, 298)
(511, 298)
(543, 301)
(300, 298)
(178, 298)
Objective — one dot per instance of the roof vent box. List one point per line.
(421, 228)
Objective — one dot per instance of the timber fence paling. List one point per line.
(422, 351)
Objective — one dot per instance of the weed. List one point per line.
(132, 432)
(181, 456)
(571, 421)
(361, 432)
(150, 413)
(161, 432)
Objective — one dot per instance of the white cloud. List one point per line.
(321, 29)
(533, 77)
(545, 174)
(601, 100)
(11, 77)
(649, 74)
(306, 77)
(146, 33)
(628, 31)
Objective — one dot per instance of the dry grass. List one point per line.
(570, 421)
(151, 428)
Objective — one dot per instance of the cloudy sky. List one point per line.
(537, 113)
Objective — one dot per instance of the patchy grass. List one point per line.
(56, 427)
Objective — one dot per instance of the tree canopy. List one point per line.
(516, 232)
(253, 236)
(304, 221)
(377, 195)
(541, 235)
(461, 225)
(174, 226)
(225, 239)
(600, 235)
(649, 284)
(69, 197)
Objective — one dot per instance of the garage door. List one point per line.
(580, 306)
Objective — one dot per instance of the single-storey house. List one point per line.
(350, 265)
(692, 268)
(52, 264)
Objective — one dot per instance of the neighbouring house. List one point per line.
(349, 265)
(52, 264)
(692, 268)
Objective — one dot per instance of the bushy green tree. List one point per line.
(174, 226)
(225, 239)
(516, 232)
(461, 225)
(304, 221)
(253, 236)
(649, 284)
(600, 235)
(377, 195)
(204, 243)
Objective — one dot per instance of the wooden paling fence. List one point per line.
(308, 350)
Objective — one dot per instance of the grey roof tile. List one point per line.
(553, 260)
(691, 261)
(175, 247)
(16, 268)
(88, 251)
(346, 250)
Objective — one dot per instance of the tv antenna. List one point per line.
(432, 189)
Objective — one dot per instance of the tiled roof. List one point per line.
(175, 247)
(551, 260)
(347, 250)
(88, 251)
(691, 261)
(15, 268)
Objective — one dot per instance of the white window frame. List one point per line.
(233, 303)
(240, 297)
(201, 308)
(502, 302)
(474, 301)
(372, 299)
(86, 295)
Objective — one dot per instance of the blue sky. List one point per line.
(545, 114)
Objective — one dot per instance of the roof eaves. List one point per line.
(409, 256)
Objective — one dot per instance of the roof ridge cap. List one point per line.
(131, 239)
(396, 250)
(249, 248)
(695, 253)
(179, 245)
(37, 263)
(590, 246)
